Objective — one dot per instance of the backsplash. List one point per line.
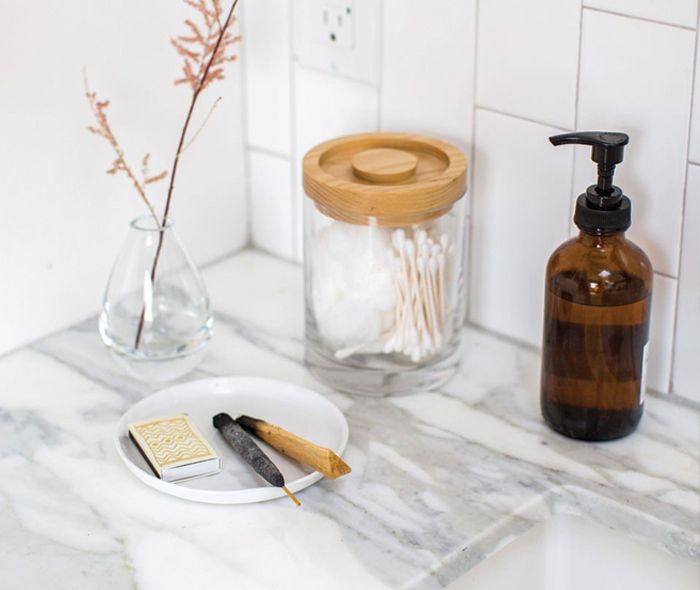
(494, 77)
(497, 78)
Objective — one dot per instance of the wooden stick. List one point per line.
(285, 489)
(320, 458)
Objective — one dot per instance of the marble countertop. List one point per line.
(440, 480)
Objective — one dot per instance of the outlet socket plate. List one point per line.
(336, 27)
(340, 37)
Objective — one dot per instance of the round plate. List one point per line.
(296, 409)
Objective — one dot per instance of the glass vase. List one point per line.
(156, 316)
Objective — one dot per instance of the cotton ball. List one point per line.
(353, 292)
(381, 289)
(350, 321)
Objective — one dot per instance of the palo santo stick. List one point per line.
(320, 458)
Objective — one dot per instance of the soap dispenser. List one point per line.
(597, 306)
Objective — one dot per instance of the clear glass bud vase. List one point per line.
(156, 317)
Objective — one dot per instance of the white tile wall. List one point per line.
(531, 67)
(63, 218)
(686, 366)
(328, 106)
(515, 227)
(267, 73)
(523, 70)
(270, 183)
(675, 12)
(441, 101)
(527, 58)
(637, 76)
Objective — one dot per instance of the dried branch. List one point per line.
(204, 55)
(104, 130)
(206, 47)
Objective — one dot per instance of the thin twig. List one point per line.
(196, 133)
(104, 130)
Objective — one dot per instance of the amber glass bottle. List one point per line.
(596, 327)
(596, 316)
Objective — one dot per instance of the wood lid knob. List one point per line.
(384, 165)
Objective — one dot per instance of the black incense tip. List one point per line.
(249, 451)
(221, 420)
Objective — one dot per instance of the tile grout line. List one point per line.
(572, 195)
(472, 154)
(320, 70)
(683, 206)
(665, 275)
(520, 117)
(267, 152)
(641, 18)
(245, 133)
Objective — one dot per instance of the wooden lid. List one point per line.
(394, 178)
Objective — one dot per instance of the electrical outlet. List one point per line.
(339, 36)
(336, 24)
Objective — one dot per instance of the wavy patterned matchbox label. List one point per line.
(174, 448)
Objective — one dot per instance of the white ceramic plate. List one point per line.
(299, 410)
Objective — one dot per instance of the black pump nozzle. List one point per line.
(608, 151)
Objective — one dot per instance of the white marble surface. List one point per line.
(440, 480)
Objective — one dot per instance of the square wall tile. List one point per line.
(520, 213)
(527, 58)
(271, 203)
(686, 366)
(663, 311)
(674, 12)
(267, 56)
(636, 77)
(441, 100)
(326, 107)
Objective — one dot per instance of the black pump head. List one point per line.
(603, 208)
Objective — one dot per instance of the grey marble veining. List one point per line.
(440, 480)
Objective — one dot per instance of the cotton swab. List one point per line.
(420, 294)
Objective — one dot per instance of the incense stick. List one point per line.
(241, 442)
(292, 496)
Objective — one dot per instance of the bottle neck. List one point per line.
(601, 240)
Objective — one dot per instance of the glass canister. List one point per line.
(384, 262)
